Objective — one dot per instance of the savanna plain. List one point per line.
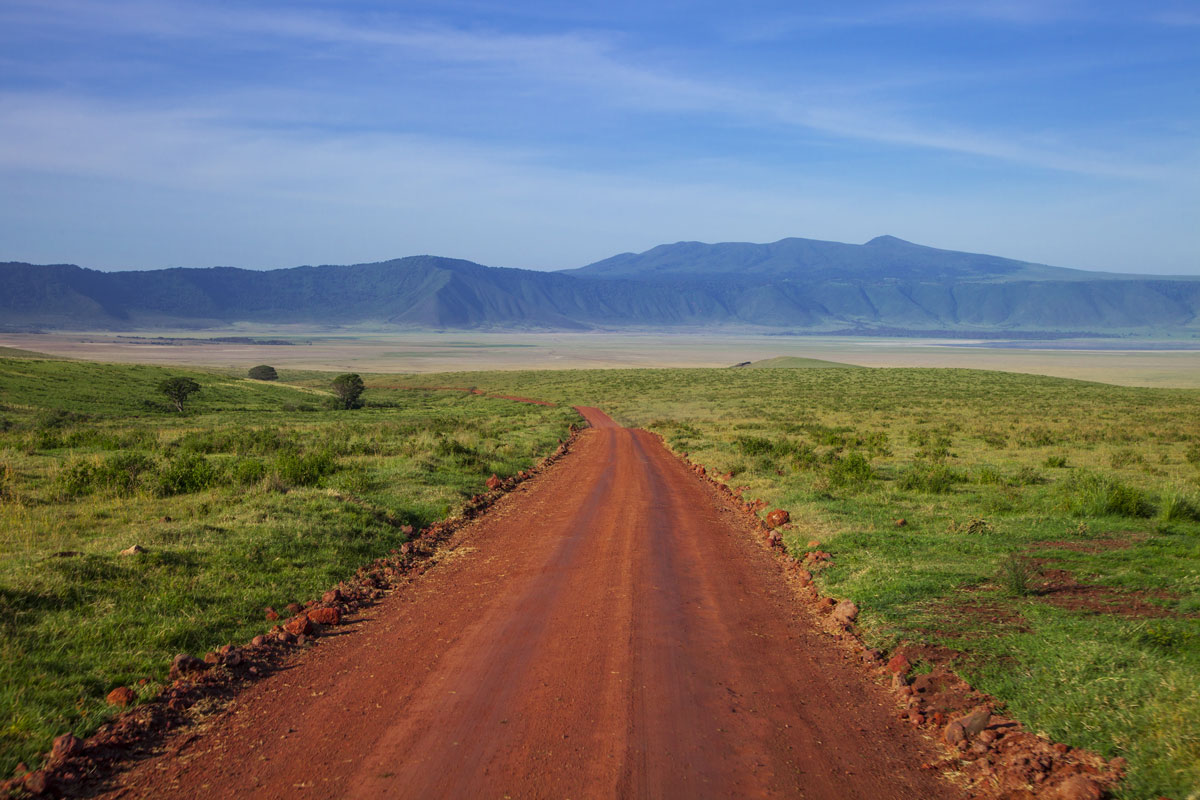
(1049, 549)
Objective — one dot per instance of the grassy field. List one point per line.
(259, 494)
(1051, 546)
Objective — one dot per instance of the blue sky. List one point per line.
(547, 135)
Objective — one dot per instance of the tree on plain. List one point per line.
(178, 389)
(264, 373)
(348, 389)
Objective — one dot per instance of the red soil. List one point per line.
(608, 629)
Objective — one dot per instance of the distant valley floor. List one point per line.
(1109, 361)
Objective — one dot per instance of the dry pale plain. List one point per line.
(1137, 364)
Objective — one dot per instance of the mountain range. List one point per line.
(886, 285)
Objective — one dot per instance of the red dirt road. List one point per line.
(606, 630)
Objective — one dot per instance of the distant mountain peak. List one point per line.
(887, 239)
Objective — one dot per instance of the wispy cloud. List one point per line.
(595, 63)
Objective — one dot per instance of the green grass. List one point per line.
(257, 495)
(1000, 478)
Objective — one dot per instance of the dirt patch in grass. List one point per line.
(1058, 587)
(1089, 545)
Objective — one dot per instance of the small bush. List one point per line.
(187, 473)
(1017, 574)
(75, 478)
(988, 476)
(1178, 506)
(1055, 462)
(1027, 476)
(932, 478)
(263, 373)
(974, 526)
(1125, 457)
(1162, 636)
(1095, 495)
(304, 470)
(853, 470)
(1193, 455)
(247, 471)
(121, 473)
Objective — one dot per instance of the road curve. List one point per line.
(606, 630)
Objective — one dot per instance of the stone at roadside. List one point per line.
(777, 518)
(36, 783)
(845, 612)
(298, 625)
(271, 614)
(899, 664)
(120, 697)
(258, 641)
(65, 746)
(325, 616)
(493, 482)
(294, 608)
(1078, 787)
(954, 734)
(184, 664)
(331, 597)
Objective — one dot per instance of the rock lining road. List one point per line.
(608, 629)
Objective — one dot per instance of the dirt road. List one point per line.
(606, 630)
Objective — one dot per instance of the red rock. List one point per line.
(899, 664)
(493, 482)
(774, 539)
(298, 625)
(900, 523)
(212, 658)
(954, 733)
(233, 658)
(405, 548)
(65, 746)
(777, 518)
(923, 683)
(826, 604)
(294, 608)
(1078, 787)
(804, 576)
(183, 664)
(325, 616)
(36, 783)
(121, 696)
(845, 612)
(272, 614)
(258, 641)
(331, 597)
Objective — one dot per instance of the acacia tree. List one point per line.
(264, 373)
(348, 389)
(178, 389)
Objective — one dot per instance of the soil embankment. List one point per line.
(606, 630)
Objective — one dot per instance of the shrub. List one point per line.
(1026, 476)
(348, 389)
(246, 471)
(1125, 457)
(1178, 506)
(1055, 462)
(263, 373)
(121, 473)
(1017, 574)
(932, 478)
(304, 470)
(1104, 496)
(853, 470)
(187, 473)
(974, 526)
